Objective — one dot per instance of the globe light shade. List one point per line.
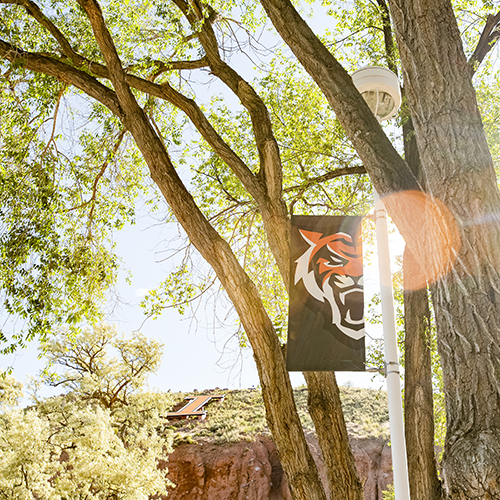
(380, 89)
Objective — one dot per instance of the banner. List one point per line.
(325, 324)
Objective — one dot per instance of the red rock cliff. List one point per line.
(252, 470)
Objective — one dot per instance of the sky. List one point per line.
(198, 353)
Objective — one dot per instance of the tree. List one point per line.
(124, 57)
(10, 390)
(103, 438)
(453, 241)
(90, 373)
(264, 187)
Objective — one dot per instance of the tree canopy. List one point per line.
(99, 96)
(102, 438)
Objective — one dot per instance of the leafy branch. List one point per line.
(487, 40)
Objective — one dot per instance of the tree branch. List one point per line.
(487, 40)
(96, 181)
(200, 121)
(54, 124)
(82, 80)
(119, 139)
(339, 172)
(188, 106)
(41, 63)
(271, 204)
(34, 11)
(387, 169)
(267, 146)
(390, 47)
(163, 67)
(108, 50)
(165, 91)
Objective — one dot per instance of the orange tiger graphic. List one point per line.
(331, 268)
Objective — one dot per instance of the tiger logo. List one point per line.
(332, 269)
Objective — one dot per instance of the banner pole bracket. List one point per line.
(387, 371)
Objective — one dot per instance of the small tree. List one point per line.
(89, 372)
(103, 438)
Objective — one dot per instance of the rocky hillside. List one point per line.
(230, 455)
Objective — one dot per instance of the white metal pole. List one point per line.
(398, 443)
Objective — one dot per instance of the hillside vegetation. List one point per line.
(241, 415)
(104, 435)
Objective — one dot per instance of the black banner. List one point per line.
(325, 325)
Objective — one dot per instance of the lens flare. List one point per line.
(431, 233)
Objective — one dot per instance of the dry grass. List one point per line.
(241, 416)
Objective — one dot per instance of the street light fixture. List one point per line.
(380, 89)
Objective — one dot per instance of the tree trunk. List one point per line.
(419, 411)
(325, 408)
(453, 233)
(419, 404)
(458, 170)
(277, 392)
(281, 412)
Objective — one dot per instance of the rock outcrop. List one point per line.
(252, 470)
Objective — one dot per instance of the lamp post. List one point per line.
(380, 89)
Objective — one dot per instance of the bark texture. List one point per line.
(419, 411)
(458, 170)
(325, 409)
